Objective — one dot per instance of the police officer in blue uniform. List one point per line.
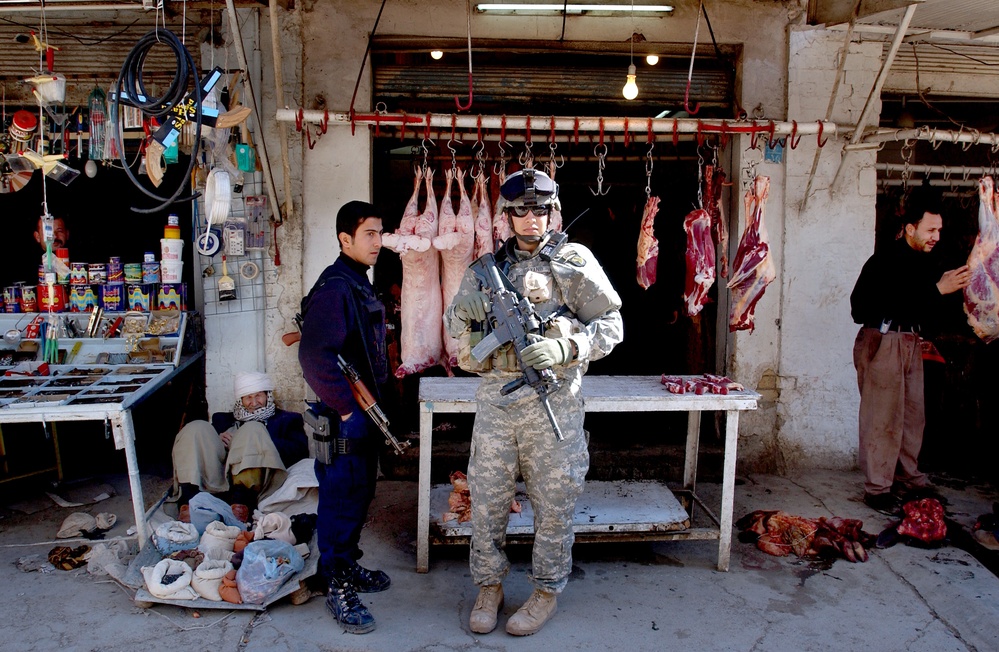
(343, 316)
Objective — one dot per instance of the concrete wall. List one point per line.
(799, 356)
(826, 240)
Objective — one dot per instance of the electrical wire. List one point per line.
(130, 81)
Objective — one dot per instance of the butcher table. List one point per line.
(594, 519)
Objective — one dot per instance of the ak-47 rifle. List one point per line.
(368, 403)
(361, 393)
(512, 318)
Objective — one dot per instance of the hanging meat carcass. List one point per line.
(483, 217)
(555, 218)
(700, 261)
(753, 269)
(420, 339)
(981, 297)
(714, 179)
(501, 225)
(455, 242)
(648, 246)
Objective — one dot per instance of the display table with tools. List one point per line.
(606, 510)
(101, 380)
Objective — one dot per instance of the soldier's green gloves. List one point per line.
(547, 352)
(472, 306)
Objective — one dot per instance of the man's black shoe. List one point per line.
(884, 503)
(368, 581)
(346, 607)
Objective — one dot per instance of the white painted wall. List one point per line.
(799, 356)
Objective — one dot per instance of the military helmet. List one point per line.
(528, 187)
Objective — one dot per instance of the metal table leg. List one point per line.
(423, 506)
(124, 437)
(728, 489)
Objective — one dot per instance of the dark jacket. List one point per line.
(342, 316)
(286, 430)
(898, 283)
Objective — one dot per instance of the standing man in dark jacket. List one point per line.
(343, 316)
(898, 293)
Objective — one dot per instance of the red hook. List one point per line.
(794, 132)
(626, 140)
(700, 133)
(299, 119)
(469, 105)
(326, 121)
(308, 136)
(818, 139)
(686, 102)
(676, 134)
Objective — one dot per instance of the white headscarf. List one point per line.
(251, 382)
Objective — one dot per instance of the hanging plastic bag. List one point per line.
(266, 566)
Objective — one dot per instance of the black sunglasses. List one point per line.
(522, 211)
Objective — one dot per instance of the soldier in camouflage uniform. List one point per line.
(512, 435)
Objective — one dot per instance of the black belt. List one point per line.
(341, 446)
(895, 328)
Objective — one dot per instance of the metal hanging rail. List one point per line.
(967, 137)
(544, 125)
(964, 172)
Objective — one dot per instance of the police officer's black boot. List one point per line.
(346, 607)
(368, 581)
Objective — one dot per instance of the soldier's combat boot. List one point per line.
(346, 607)
(531, 617)
(487, 605)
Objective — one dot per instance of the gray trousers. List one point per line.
(892, 408)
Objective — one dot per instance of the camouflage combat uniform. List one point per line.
(512, 435)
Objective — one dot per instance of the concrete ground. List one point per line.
(634, 596)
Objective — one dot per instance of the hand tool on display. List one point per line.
(112, 330)
(227, 286)
(73, 352)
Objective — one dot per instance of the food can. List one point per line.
(82, 298)
(78, 274)
(150, 272)
(149, 257)
(112, 297)
(12, 298)
(133, 272)
(41, 274)
(54, 302)
(116, 273)
(172, 296)
(98, 273)
(29, 299)
(62, 269)
(139, 296)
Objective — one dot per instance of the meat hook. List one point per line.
(600, 171)
(690, 72)
(468, 14)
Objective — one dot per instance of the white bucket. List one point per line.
(171, 249)
(171, 271)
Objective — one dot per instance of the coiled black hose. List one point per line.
(131, 83)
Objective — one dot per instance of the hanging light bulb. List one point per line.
(652, 59)
(436, 54)
(630, 89)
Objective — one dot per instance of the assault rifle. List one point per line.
(512, 318)
(361, 393)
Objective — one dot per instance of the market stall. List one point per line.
(606, 511)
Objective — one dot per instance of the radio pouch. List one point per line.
(321, 436)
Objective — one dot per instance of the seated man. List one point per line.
(243, 454)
